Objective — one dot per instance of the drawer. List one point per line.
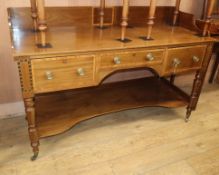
(184, 59)
(62, 73)
(131, 59)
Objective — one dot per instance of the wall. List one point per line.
(9, 81)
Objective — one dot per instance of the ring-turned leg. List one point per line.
(194, 95)
(31, 118)
(198, 82)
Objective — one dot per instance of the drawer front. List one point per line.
(139, 58)
(62, 73)
(184, 59)
(131, 59)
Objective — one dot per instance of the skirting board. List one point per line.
(10, 110)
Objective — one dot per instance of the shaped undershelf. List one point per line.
(60, 111)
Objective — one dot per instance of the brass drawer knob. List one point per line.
(80, 71)
(176, 62)
(49, 75)
(117, 60)
(195, 59)
(150, 57)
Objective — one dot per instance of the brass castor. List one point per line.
(186, 119)
(188, 114)
(34, 157)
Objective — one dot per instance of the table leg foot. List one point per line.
(34, 157)
(188, 114)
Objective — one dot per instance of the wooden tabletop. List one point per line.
(89, 39)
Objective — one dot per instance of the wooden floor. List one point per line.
(146, 141)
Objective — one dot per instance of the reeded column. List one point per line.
(176, 12)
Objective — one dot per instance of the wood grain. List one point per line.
(129, 59)
(67, 16)
(65, 73)
(185, 57)
(57, 113)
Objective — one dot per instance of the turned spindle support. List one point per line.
(102, 13)
(176, 12)
(34, 14)
(210, 7)
(124, 23)
(150, 22)
(42, 25)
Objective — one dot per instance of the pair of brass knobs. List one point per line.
(149, 57)
(177, 62)
(50, 76)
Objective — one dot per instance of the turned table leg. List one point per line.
(197, 85)
(31, 118)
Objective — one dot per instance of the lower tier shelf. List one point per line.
(60, 111)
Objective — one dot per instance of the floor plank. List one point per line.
(206, 163)
(179, 168)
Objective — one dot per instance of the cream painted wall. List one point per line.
(9, 81)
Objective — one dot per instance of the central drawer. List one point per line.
(121, 60)
(131, 59)
(62, 73)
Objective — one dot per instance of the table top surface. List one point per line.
(85, 39)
